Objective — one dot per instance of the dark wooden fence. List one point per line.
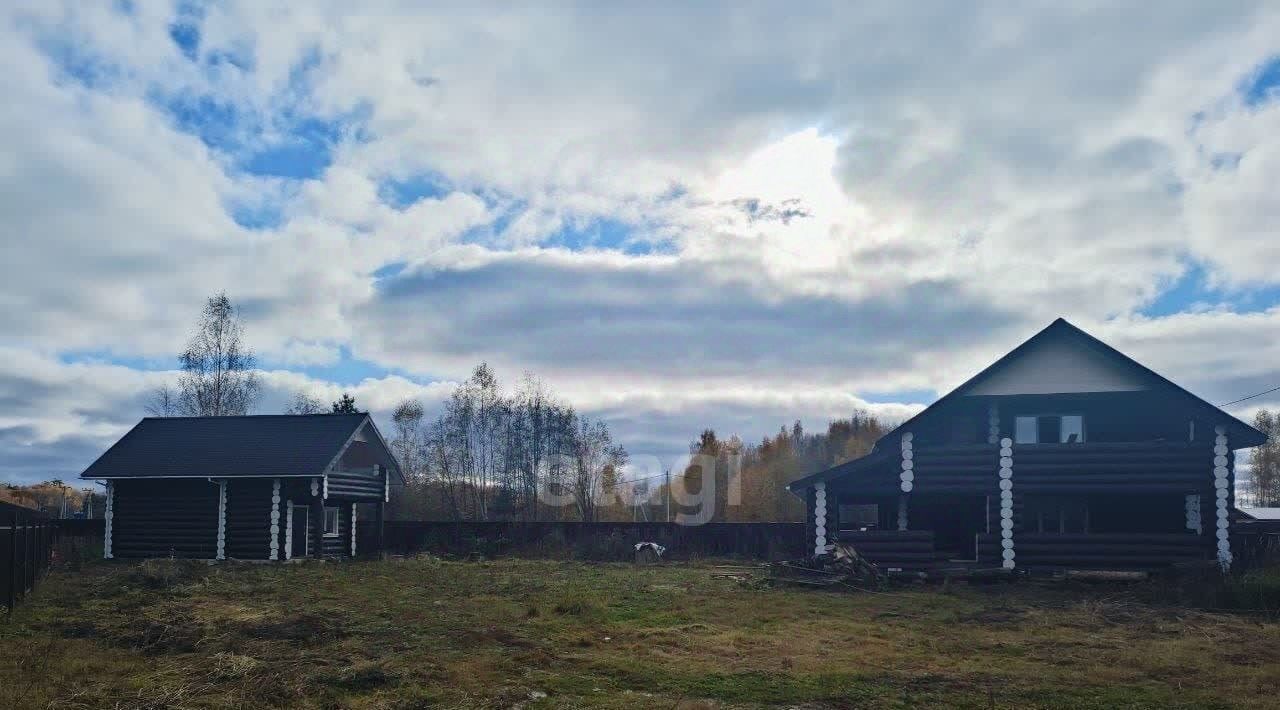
(593, 541)
(26, 548)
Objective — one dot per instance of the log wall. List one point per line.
(249, 519)
(364, 484)
(164, 518)
(1102, 551)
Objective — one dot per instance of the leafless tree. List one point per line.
(304, 403)
(408, 442)
(218, 377)
(1264, 474)
(597, 462)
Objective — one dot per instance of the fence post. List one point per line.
(29, 538)
(12, 573)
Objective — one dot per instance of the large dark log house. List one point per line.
(250, 488)
(1063, 454)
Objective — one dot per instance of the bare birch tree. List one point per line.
(218, 377)
(407, 443)
(1264, 473)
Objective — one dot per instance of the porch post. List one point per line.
(316, 520)
(906, 479)
(353, 528)
(275, 519)
(819, 518)
(1006, 502)
(288, 529)
(106, 535)
(222, 520)
(1222, 485)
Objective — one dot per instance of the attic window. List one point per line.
(1049, 429)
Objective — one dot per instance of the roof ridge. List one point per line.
(258, 416)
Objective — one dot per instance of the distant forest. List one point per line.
(525, 455)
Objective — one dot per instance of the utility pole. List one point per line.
(668, 474)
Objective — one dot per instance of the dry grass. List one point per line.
(425, 633)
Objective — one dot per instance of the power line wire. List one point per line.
(1237, 401)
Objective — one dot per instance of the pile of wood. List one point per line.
(841, 566)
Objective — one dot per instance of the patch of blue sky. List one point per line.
(258, 216)
(74, 63)
(346, 371)
(185, 29)
(1263, 84)
(304, 152)
(106, 357)
(595, 233)
(218, 124)
(401, 193)
(1193, 292)
(921, 396)
(389, 271)
(605, 233)
(186, 36)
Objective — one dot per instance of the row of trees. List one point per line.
(493, 454)
(731, 481)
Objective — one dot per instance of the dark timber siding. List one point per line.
(363, 484)
(249, 519)
(164, 517)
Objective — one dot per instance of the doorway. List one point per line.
(301, 531)
(956, 521)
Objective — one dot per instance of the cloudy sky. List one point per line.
(719, 214)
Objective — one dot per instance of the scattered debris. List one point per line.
(1107, 575)
(648, 553)
(841, 565)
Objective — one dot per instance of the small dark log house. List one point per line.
(250, 488)
(1063, 454)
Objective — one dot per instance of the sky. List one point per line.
(726, 215)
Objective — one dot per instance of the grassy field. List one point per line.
(423, 633)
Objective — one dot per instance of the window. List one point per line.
(859, 517)
(1025, 430)
(330, 522)
(1049, 429)
(1072, 429)
(1055, 515)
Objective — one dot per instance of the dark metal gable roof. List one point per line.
(1241, 434)
(246, 446)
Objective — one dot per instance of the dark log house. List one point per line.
(1063, 454)
(250, 488)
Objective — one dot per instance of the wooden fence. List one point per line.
(593, 541)
(26, 548)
